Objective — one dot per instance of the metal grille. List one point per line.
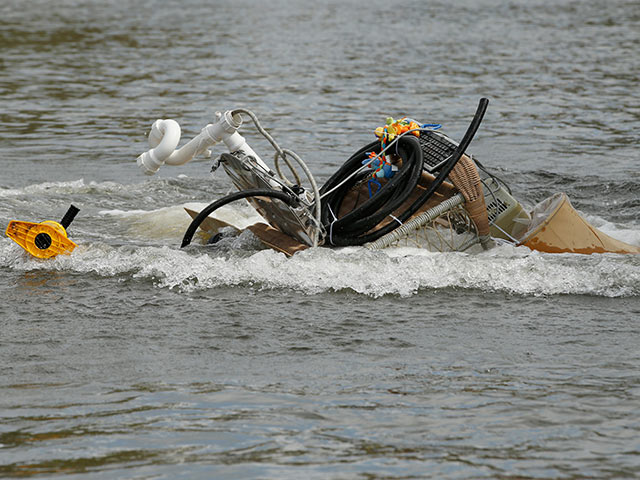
(495, 208)
(436, 149)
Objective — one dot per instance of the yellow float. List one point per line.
(45, 239)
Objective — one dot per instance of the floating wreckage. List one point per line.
(412, 186)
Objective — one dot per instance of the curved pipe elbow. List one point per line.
(163, 140)
(165, 136)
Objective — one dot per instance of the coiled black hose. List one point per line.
(209, 209)
(352, 228)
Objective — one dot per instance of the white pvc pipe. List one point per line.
(165, 136)
(236, 142)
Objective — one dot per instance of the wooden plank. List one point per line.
(268, 235)
(276, 239)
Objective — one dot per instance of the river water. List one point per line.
(132, 358)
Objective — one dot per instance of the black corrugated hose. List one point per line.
(352, 228)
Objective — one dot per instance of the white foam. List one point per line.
(162, 223)
(402, 272)
(70, 187)
(156, 212)
(624, 233)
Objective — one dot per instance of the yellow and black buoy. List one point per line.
(45, 239)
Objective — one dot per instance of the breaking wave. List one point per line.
(404, 271)
(142, 244)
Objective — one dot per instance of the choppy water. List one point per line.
(132, 358)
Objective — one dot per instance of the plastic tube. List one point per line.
(165, 136)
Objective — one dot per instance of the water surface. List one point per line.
(132, 358)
